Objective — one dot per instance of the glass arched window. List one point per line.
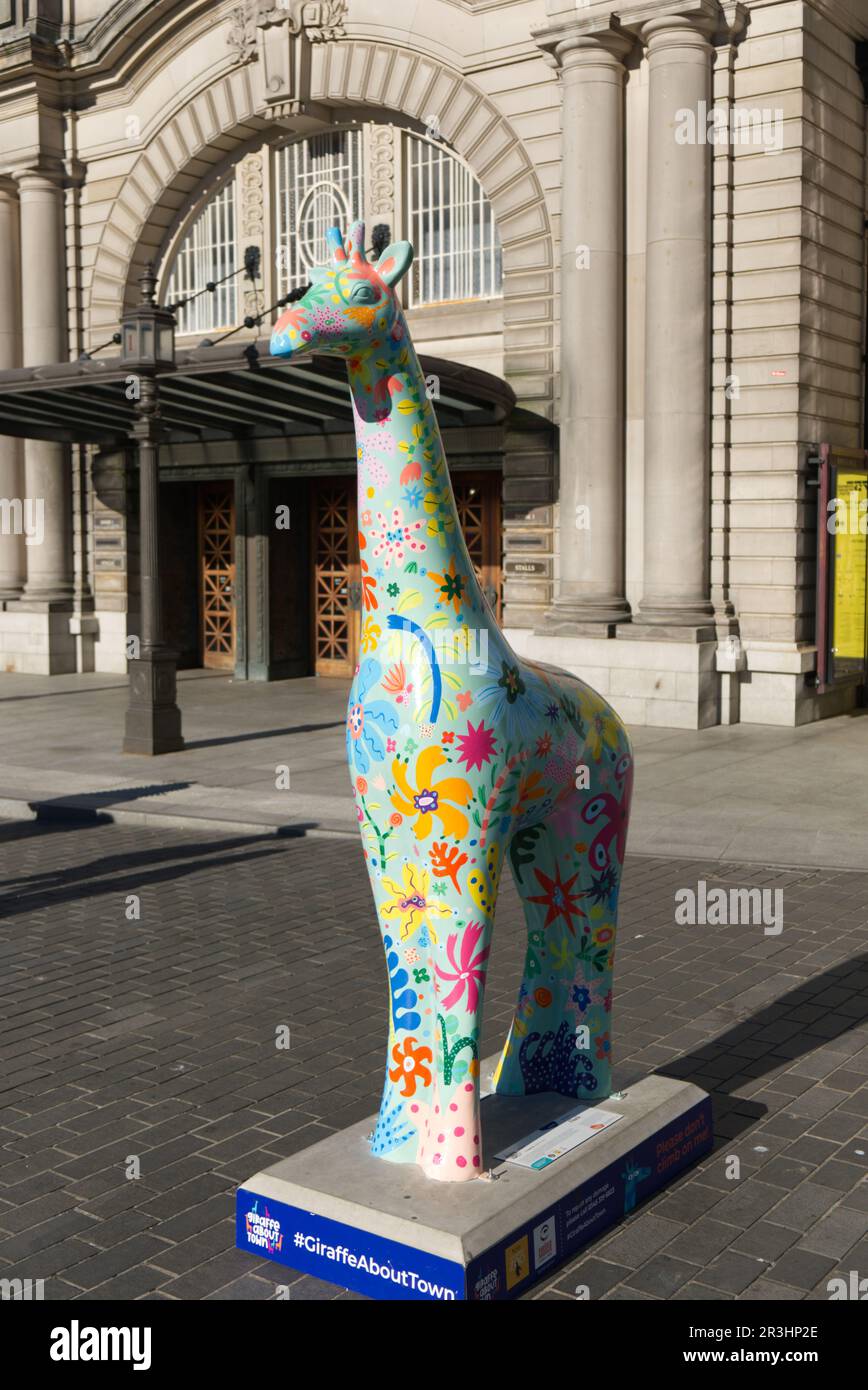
(436, 202)
(319, 182)
(451, 223)
(208, 252)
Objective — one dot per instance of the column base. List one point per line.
(585, 617)
(695, 613)
(153, 719)
(48, 593)
(575, 627)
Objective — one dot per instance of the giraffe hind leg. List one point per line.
(559, 1039)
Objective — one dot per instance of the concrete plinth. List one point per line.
(383, 1229)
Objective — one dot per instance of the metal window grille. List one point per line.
(319, 182)
(451, 224)
(208, 252)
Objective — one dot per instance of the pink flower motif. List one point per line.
(326, 319)
(469, 973)
(477, 746)
(393, 535)
(465, 700)
(390, 745)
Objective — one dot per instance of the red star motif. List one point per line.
(558, 898)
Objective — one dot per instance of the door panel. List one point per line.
(477, 497)
(179, 570)
(217, 574)
(289, 579)
(336, 577)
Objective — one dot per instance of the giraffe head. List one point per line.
(350, 306)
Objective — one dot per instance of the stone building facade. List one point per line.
(674, 192)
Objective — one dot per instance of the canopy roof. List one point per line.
(226, 390)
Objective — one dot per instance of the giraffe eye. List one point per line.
(363, 294)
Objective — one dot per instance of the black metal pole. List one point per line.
(153, 720)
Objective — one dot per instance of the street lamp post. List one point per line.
(153, 719)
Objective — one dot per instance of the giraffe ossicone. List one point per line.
(461, 755)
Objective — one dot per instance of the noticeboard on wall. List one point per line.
(842, 566)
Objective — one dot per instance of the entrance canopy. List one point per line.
(229, 389)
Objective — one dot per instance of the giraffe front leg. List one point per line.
(436, 957)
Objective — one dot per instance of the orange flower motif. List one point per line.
(411, 473)
(429, 797)
(410, 1066)
(396, 679)
(446, 861)
(450, 585)
(530, 788)
(362, 313)
(369, 584)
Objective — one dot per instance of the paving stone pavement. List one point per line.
(151, 1042)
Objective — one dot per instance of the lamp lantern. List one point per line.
(148, 330)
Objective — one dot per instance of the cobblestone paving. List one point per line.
(155, 1039)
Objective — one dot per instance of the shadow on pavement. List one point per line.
(765, 1041)
(262, 733)
(121, 872)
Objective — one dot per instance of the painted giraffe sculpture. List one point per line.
(460, 753)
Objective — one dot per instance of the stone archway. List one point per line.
(369, 78)
(365, 78)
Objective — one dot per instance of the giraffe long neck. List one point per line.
(407, 511)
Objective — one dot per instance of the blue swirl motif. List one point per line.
(379, 718)
(405, 625)
(404, 1014)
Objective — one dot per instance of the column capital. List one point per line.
(584, 40)
(672, 23)
(38, 176)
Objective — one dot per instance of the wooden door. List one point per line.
(336, 577)
(217, 574)
(477, 497)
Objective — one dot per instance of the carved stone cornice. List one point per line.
(318, 21)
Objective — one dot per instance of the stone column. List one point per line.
(591, 524)
(12, 549)
(678, 319)
(43, 332)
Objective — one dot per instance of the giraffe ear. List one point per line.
(395, 262)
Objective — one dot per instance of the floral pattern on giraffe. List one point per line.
(462, 757)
